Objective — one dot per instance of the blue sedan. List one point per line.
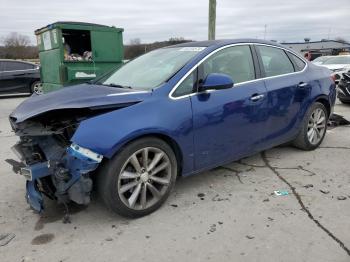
(172, 112)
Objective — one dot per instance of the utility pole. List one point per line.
(265, 31)
(212, 19)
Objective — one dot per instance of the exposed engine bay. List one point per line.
(53, 166)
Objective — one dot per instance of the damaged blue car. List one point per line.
(172, 112)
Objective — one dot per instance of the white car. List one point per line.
(338, 64)
(321, 59)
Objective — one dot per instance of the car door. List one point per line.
(229, 123)
(1, 73)
(15, 77)
(287, 88)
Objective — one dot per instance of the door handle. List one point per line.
(302, 84)
(256, 97)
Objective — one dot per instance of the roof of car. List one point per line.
(13, 60)
(210, 43)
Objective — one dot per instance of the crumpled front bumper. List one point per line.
(78, 161)
(33, 173)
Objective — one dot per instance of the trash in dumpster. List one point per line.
(77, 45)
(70, 48)
(281, 193)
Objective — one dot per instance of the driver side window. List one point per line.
(236, 62)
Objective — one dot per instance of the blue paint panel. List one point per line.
(209, 128)
(228, 124)
(172, 118)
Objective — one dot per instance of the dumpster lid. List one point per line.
(72, 24)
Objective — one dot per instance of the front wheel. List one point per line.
(139, 178)
(313, 128)
(37, 88)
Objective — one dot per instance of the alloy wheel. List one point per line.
(38, 88)
(144, 178)
(316, 126)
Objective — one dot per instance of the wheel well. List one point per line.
(171, 142)
(32, 82)
(325, 103)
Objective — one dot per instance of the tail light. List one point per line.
(333, 77)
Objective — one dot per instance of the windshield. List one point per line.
(321, 59)
(152, 69)
(343, 60)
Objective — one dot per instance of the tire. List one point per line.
(119, 173)
(36, 88)
(344, 102)
(304, 140)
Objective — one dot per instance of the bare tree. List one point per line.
(135, 41)
(16, 40)
(17, 46)
(135, 48)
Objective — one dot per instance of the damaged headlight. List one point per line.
(86, 153)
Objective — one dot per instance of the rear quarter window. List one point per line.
(299, 64)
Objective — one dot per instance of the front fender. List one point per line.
(107, 133)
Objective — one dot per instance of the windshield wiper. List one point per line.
(117, 86)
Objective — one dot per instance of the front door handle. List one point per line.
(256, 97)
(302, 84)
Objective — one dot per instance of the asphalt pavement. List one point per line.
(230, 213)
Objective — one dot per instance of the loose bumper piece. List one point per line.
(77, 162)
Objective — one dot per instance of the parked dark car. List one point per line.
(344, 89)
(18, 77)
(172, 112)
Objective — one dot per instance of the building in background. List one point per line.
(319, 48)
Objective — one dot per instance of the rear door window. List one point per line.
(275, 61)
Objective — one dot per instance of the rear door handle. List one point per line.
(256, 97)
(302, 84)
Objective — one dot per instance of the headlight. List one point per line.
(86, 152)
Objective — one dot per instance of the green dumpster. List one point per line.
(73, 52)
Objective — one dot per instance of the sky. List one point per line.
(157, 20)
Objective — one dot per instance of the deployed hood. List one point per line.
(80, 96)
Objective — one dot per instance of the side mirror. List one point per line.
(216, 81)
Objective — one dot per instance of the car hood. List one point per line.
(80, 96)
(336, 66)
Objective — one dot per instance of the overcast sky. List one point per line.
(156, 20)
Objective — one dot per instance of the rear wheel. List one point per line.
(313, 128)
(37, 88)
(139, 179)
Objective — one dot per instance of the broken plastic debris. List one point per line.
(281, 193)
(337, 120)
(341, 197)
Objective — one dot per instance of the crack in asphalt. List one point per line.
(296, 168)
(302, 205)
(236, 172)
